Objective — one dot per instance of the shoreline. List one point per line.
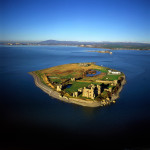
(80, 102)
(104, 48)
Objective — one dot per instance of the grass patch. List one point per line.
(111, 86)
(55, 80)
(111, 77)
(104, 94)
(39, 74)
(67, 76)
(75, 86)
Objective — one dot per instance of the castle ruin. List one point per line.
(59, 88)
(88, 92)
(75, 94)
(91, 91)
(73, 79)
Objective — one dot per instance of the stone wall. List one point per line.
(108, 82)
(73, 79)
(75, 94)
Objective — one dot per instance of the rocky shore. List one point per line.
(91, 103)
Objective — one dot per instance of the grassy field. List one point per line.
(70, 69)
(58, 74)
(75, 86)
(62, 75)
(111, 77)
(55, 80)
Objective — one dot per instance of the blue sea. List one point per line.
(26, 111)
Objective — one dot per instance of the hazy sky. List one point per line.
(81, 20)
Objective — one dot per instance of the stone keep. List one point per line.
(89, 93)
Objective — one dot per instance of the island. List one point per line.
(85, 84)
(106, 51)
(101, 45)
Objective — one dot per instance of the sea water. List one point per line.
(25, 107)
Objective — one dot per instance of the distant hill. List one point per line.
(105, 45)
(53, 42)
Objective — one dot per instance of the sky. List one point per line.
(75, 20)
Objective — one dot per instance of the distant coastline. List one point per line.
(101, 45)
(110, 47)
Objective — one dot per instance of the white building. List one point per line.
(114, 72)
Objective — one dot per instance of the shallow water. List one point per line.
(25, 107)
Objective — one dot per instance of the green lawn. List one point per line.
(111, 77)
(75, 86)
(55, 80)
(67, 76)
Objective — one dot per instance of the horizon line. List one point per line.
(74, 41)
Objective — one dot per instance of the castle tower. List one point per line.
(85, 92)
(92, 95)
(89, 93)
(98, 89)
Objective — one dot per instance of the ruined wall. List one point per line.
(107, 82)
(73, 79)
(75, 94)
(98, 89)
(45, 79)
(59, 87)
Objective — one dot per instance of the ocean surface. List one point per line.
(26, 111)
